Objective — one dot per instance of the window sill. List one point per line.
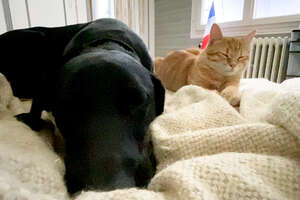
(239, 29)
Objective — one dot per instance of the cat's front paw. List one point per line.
(232, 98)
(235, 100)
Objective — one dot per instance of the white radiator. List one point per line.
(268, 59)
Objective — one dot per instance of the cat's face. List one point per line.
(228, 55)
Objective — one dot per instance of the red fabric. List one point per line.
(205, 41)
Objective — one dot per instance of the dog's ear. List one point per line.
(159, 95)
(131, 98)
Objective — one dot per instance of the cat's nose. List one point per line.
(232, 65)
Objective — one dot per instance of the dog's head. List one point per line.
(106, 101)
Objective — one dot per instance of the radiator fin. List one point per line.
(268, 59)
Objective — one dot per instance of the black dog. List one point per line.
(97, 79)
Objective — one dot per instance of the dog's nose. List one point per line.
(122, 180)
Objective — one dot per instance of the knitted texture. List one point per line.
(205, 149)
(29, 169)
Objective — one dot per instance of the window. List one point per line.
(274, 8)
(239, 17)
(103, 9)
(223, 10)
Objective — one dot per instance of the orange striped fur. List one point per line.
(218, 67)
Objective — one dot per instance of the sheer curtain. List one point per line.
(137, 14)
(134, 13)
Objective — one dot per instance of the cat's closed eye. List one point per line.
(217, 55)
(222, 54)
(242, 58)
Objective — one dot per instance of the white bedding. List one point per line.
(205, 148)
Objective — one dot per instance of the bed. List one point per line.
(205, 148)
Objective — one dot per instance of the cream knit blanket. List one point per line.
(205, 148)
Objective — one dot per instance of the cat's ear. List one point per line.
(215, 33)
(250, 36)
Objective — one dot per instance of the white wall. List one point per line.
(49, 13)
(173, 26)
(18, 13)
(2, 20)
(46, 13)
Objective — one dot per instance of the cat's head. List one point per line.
(228, 55)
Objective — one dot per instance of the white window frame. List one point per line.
(270, 25)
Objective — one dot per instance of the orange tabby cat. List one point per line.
(218, 67)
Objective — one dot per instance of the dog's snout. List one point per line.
(122, 180)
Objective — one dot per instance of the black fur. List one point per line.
(97, 80)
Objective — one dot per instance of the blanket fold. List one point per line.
(205, 148)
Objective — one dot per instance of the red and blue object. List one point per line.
(211, 20)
